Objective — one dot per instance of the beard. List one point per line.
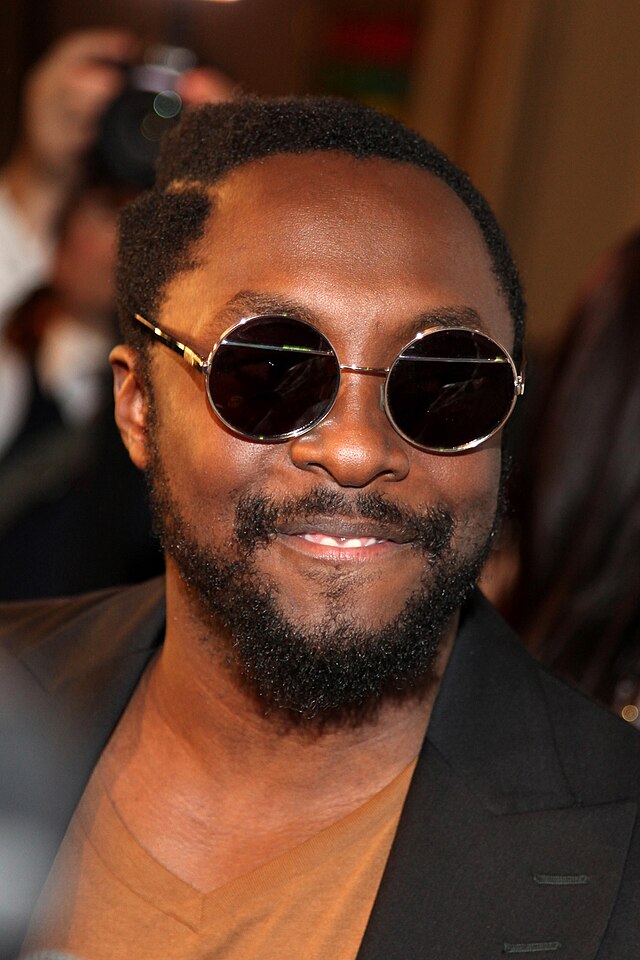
(336, 670)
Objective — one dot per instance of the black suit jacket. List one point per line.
(518, 835)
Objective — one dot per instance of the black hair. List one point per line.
(159, 229)
(577, 597)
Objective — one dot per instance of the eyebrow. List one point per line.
(252, 303)
(248, 303)
(445, 317)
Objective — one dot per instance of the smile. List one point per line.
(343, 548)
(343, 543)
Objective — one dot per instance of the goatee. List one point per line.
(337, 670)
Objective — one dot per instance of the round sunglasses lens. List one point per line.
(450, 389)
(273, 377)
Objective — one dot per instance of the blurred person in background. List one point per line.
(570, 581)
(63, 99)
(64, 478)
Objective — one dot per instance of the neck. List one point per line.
(244, 787)
(203, 705)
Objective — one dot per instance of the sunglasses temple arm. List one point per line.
(521, 377)
(191, 357)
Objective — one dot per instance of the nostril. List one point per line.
(354, 445)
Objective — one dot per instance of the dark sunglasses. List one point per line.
(272, 378)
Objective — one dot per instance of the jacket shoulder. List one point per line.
(510, 724)
(600, 751)
(48, 636)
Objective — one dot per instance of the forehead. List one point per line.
(362, 242)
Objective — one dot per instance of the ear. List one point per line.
(130, 403)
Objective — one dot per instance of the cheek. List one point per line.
(206, 466)
(468, 486)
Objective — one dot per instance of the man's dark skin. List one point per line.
(210, 785)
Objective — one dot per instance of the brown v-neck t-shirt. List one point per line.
(107, 898)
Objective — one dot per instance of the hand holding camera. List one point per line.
(67, 96)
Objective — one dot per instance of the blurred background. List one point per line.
(538, 100)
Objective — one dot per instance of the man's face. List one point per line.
(347, 531)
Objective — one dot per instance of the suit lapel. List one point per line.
(86, 657)
(493, 856)
(89, 665)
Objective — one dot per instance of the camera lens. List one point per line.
(129, 140)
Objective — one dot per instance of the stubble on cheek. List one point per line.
(477, 523)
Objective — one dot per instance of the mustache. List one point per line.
(259, 517)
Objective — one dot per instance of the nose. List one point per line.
(355, 444)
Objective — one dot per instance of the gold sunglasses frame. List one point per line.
(204, 365)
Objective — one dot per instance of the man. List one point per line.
(326, 745)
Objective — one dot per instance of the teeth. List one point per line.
(346, 543)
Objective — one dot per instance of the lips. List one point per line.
(344, 533)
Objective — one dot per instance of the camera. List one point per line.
(135, 122)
